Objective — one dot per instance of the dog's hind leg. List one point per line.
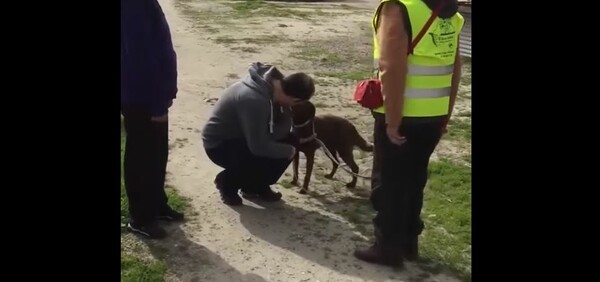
(295, 169)
(333, 162)
(348, 158)
(310, 159)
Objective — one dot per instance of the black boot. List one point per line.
(381, 252)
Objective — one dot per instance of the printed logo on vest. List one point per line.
(442, 36)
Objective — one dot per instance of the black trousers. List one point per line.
(401, 176)
(145, 164)
(379, 136)
(243, 170)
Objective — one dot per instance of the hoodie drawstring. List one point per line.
(271, 121)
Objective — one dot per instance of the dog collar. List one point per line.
(303, 124)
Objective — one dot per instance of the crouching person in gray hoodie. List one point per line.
(249, 132)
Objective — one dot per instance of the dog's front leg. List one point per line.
(310, 159)
(295, 169)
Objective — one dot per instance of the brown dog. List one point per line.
(338, 134)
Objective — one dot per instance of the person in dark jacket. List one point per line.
(249, 132)
(148, 87)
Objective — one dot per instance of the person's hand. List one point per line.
(163, 118)
(295, 139)
(291, 139)
(394, 135)
(445, 127)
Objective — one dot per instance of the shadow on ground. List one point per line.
(189, 261)
(319, 238)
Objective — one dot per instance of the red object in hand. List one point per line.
(368, 94)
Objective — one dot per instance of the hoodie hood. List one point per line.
(259, 76)
(258, 79)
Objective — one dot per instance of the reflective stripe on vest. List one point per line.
(427, 93)
(431, 65)
(424, 70)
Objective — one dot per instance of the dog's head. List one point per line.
(303, 112)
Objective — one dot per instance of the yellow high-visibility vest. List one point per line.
(431, 64)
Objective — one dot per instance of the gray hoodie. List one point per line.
(247, 110)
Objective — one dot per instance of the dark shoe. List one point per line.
(230, 198)
(379, 255)
(150, 231)
(381, 252)
(170, 214)
(411, 251)
(268, 195)
(247, 195)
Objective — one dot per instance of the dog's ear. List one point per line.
(304, 109)
(310, 109)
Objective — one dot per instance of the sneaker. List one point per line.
(170, 214)
(379, 255)
(150, 231)
(268, 195)
(230, 198)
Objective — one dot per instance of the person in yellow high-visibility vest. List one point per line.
(419, 90)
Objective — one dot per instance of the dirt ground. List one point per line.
(307, 237)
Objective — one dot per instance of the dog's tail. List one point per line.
(361, 143)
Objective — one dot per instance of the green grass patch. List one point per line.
(286, 184)
(466, 158)
(322, 81)
(353, 62)
(247, 6)
(447, 214)
(321, 55)
(242, 9)
(176, 201)
(259, 40)
(199, 17)
(460, 130)
(134, 269)
(464, 114)
(260, 8)
(246, 49)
